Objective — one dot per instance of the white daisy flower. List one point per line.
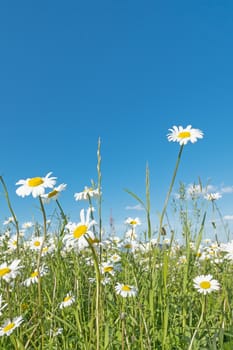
(107, 268)
(87, 193)
(129, 245)
(131, 234)
(205, 284)
(55, 332)
(79, 233)
(184, 135)
(36, 243)
(12, 243)
(54, 194)
(133, 222)
(115, 258)
(126, 290)
(8, 272)
(27, 224)
(182, 260)
(9, 325)
(35, 276)
(35, 185)
(213, 196)
(228, 248)
(8, 221)
(67, 301)
(194, 190)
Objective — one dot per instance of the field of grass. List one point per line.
(74, 287)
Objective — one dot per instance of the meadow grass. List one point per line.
(74, 287)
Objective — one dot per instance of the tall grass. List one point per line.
(165, 311)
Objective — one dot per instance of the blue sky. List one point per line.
(124, 71)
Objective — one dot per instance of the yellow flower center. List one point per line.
(115, 257)
(67, 298)
(34, 274)
(128, 246)
(80, 231)
(52, 193)
(89, 189)
(205, 285)
(184, 134)
(24, 306)
(8, 327)
(36, 243)
(108, 269)
(133, 222)
(35, 181)
(125, 288)
(4, 271)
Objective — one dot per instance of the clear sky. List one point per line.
(124, 71)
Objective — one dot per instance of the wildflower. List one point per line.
(104, 280)
(9, 325)
(67, 301)
(228, 248)
(36, 243)
(35, 185)
(133, 222)
(183, 135)
(48, 249)
(205, 284)
(55, 332)
(8, 272)
(12, 243)
(131, 234)
(87, 193)
(213, 196)
(125, 290)
(53, 195)
(79, 233)
(107, 268)
(129, 245)
(182, 260)
(194, 190)
(115, 258)
(27, 224)
(8, 221)
(43, 270)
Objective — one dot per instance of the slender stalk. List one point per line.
(40, 311)
(169, 192)
(148, 202)
(199, 323)
(62, 212)
(100, 196)
(98, 313)
(12, 213)
(222, 220)
(64, 218)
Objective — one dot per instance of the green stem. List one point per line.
(169, 192)
(40, 306)
(98, 313)
(12, 213)
(64, 218)
(199, 323)
(62, 212)
(99, 196)
(148, 202)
